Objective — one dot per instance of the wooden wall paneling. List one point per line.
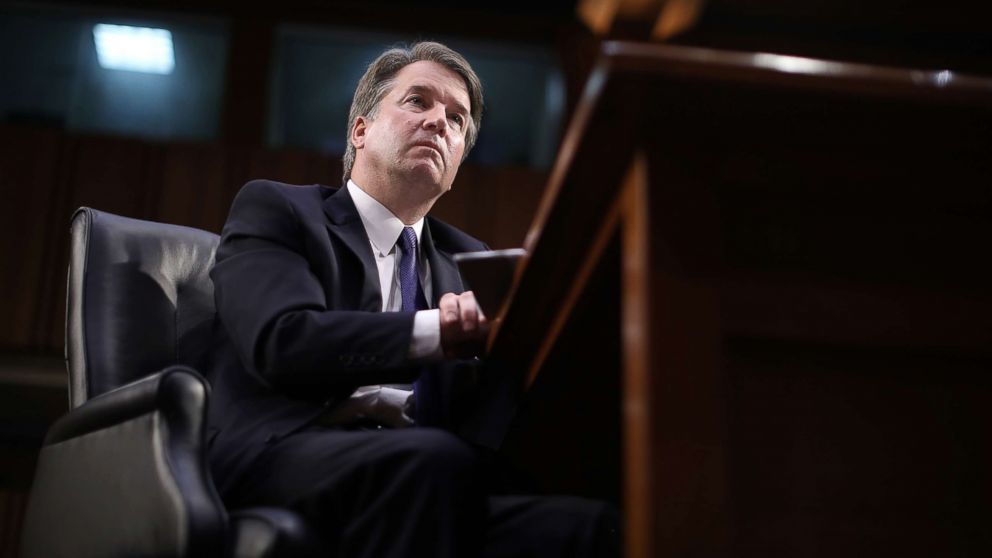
(294, 167)
(517, 195)
(110, 174)
(103, 172)
(190, 186)
(29, 173)
(455, 206)
(237, 165)
(274, 165)
(492, 203)
(51, 310)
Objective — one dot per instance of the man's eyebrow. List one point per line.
(423, 89)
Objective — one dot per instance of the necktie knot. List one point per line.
(408, 241)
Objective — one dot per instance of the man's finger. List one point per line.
(449, 307)
(468, 309)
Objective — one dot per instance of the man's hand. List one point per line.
(463, 326)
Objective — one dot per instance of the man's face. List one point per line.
(418, 135)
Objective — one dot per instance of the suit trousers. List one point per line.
(417, 492)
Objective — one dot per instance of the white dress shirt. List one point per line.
(389, 404)
(383, 229)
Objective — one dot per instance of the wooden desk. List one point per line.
(757, 307)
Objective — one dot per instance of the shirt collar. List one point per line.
(381, 225)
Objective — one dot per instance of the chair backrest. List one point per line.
(139, 299)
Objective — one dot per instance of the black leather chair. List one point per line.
(125, 473)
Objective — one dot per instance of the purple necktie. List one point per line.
(413, 299)
(412, 295)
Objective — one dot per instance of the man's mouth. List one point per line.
(428, 144)
(431, 146)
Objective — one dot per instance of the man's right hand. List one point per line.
(464, 328)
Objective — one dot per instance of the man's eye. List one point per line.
(415, 100)
(457, 119)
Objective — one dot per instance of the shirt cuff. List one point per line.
(425, 343)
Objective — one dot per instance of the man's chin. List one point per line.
(427, 173)
(426, 185)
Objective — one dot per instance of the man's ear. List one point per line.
(358, 132)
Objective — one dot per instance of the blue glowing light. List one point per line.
(136, 49)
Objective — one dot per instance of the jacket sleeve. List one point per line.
(275, 310)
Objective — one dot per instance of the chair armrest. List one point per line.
(273, 533)
(177, 390)
(125, 474)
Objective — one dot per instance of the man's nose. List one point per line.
(436, 120)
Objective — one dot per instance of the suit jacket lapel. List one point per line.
(444, 273)
(345, 224)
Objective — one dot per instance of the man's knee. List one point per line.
(429, 452)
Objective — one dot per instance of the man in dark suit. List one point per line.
(345, 358)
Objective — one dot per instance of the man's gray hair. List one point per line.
(380, 75)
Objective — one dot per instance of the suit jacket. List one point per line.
(299, 323)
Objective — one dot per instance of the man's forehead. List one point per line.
(430, 76)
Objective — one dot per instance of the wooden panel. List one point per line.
(109, 173)
(683, 332)
(839, 452)
(494, 204)
(806, 342)
(187, 184)
(293, 167)
(29, 174)
(640, 453)
(567, 223)
(566, 436)
(803, 309)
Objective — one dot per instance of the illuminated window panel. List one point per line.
(135, 49)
